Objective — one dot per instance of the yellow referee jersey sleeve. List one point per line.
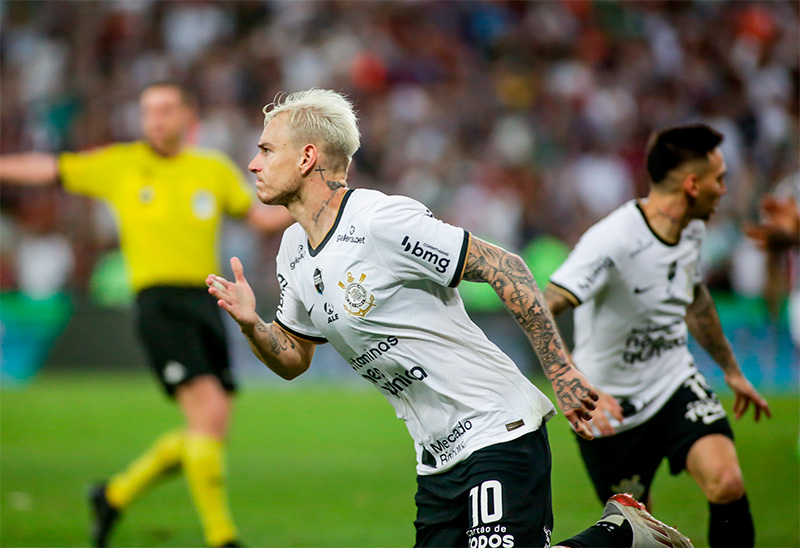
(169, 210)
(90, 173)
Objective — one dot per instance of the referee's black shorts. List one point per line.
(183, 334)
(498, 497)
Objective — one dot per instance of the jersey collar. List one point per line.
(314, 251)
(647, 223)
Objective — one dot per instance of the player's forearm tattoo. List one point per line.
(570, 392)
(279, 341)
(514, 284)
(704, 325)
(276, 340)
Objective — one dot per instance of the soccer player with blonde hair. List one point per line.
(375, 276)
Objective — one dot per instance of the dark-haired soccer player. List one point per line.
(169, 199)
(635, 280)
(375, 276)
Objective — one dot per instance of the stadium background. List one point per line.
(524, 122)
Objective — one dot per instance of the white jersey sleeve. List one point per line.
(292, 315)
(413, 244)
(697, 231)
(588, 267)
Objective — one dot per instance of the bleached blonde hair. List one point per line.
(319, 116)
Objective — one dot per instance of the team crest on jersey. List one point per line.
(204, 204)
(358, 300)
(146, 194)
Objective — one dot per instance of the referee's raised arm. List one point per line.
(29, 169)
(288, 356)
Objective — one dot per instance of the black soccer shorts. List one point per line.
(498, 497)
(183, 334)
(626, 462)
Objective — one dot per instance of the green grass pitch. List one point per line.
(309, 465)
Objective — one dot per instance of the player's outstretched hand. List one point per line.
(745, 394)
(236, 297)
(576, 398)
(606, 405)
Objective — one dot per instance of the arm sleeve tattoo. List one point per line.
(514, 284)
(273, 346)
(704, 325)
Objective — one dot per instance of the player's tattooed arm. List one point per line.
(607, 405)
(514, 284)
(285, 354)
(704, 325)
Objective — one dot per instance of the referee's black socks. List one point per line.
(731, 525)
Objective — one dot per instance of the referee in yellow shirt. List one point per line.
(169, 200)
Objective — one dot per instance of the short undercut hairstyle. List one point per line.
(187, 94)
(672, 147)
(320, 116)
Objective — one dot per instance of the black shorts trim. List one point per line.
(309, 338)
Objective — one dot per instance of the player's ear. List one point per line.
(690, 184)
(307, 159)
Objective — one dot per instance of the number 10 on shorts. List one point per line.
(486, 503)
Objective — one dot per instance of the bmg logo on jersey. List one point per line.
(427, 252)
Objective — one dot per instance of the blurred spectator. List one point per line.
(778, 236)
(520, 110)
(38, 261)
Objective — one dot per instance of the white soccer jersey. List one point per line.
(380, 289)
(632, 289)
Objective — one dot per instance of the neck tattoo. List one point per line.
(315, 216)
(670, 218)
(333, 185)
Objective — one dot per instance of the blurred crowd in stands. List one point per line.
(519, 121)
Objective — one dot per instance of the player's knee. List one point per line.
(212, 419)
(727, 486)
(207, 411)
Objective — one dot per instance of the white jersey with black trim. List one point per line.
(632, 289)
(381, 289)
